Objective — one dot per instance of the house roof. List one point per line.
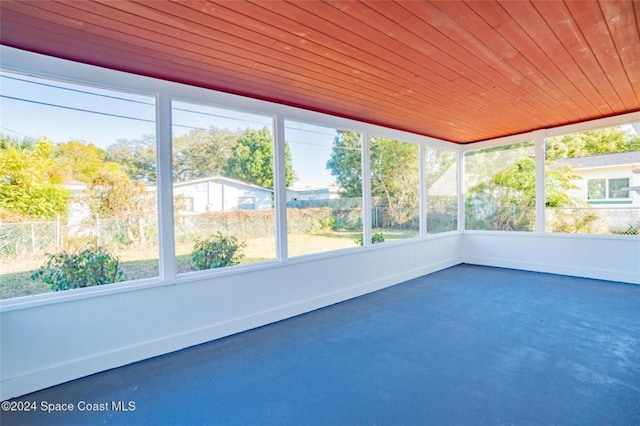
(604, 160)
(218, 179)
(461, 71)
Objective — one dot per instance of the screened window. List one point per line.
(78, 198)
(500, 188)
(223, 164)
(586, 174)
(441, 179)
(395, 189)
(324, 188)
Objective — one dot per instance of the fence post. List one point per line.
(57, 232)
(33, 239)
(97, 231)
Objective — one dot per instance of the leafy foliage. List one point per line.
(216, 251)
(345, 163)
(377, 237)
(114, 195)
(394, 172)
(81, 161)
(30, 180)
(506, 199)
(90, 267)
(136, 157)
(592, 142)
(252, 159)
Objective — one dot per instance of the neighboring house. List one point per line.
(603, 184)
(605, 177)
(304, 197)
(310, 194)
(218, 193)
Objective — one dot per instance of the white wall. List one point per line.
(606, 257)
(44, 344)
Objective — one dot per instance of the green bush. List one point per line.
(91, 266)
(216, 251)
(377, 237)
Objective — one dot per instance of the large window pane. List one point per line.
(587, 180)
(441, 168)
(223, 187)
(77, 186)
(395, 190)
(324, 198)
(500, 190)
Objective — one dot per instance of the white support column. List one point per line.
(422, 197)
(166, 237)
(540, 153)
(366, 189)
(461, 190)
(280, 189)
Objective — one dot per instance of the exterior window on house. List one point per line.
(597, 189)
(78, 170)
(223, 166)
(616, 188)
(247, 203)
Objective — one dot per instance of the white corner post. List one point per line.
(540, 154)
(166, 238)
(366, 189)
(461, 190)
(422, 191)
(280, 189)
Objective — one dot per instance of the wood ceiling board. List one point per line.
(539, 29)
(495, 27)
(598, 35)
(319, 77)
(553, 80)
(563, 24)
(625, 31)
(338, 46)
(493, 50)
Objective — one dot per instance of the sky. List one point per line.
(34, 108)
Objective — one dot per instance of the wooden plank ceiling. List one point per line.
(456, 70)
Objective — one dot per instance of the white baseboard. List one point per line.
(600, 274)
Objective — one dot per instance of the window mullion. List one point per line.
(166, 236)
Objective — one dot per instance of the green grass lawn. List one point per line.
(143, 263)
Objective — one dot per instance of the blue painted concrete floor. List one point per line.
(468, 345)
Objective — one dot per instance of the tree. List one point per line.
(30, 180)
(345, 163)
(506, 200)
(136, 157)
(81, 161)
(252, 159)
(112, 194)
(591, 142)
(395, 178)
(394, 172)
(202, 153)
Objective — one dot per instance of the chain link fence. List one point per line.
(26, 240)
